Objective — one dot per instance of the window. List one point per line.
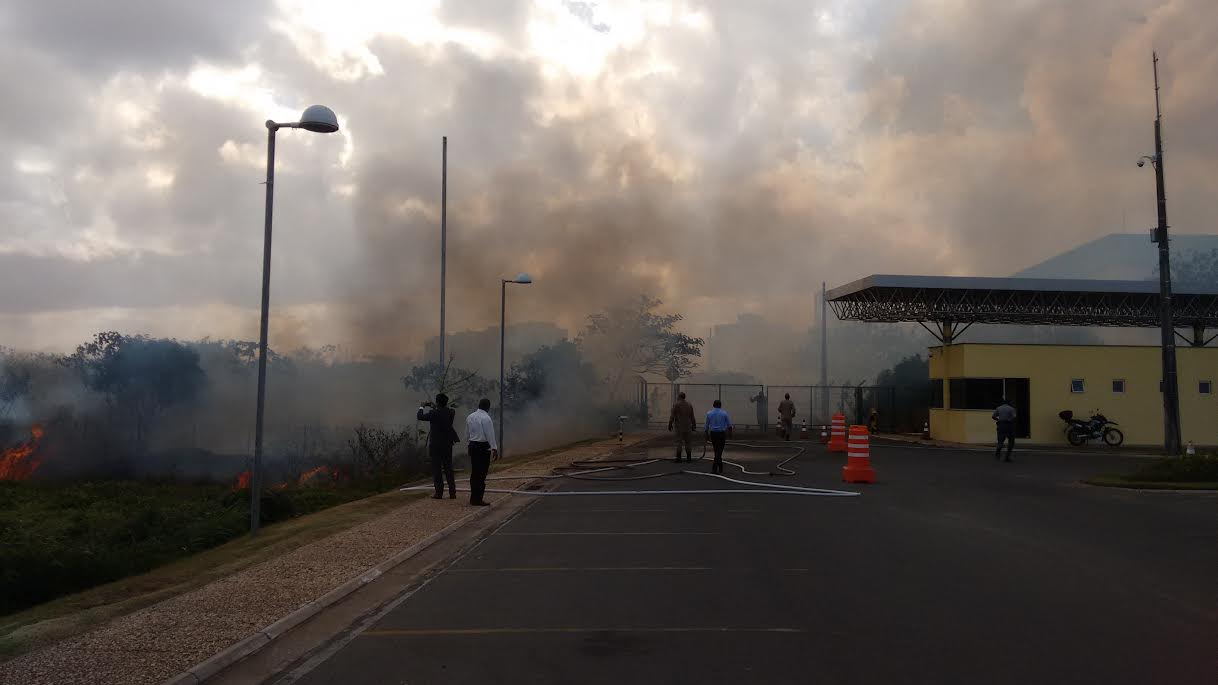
(975, 393)
(1076, 385)
(936, 393)
(1205, 387)
(1118, 385)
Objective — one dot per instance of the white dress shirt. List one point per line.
(480, 428)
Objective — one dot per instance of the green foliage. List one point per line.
(910, 371)
(1195, 468)
(634, 339)
(553, 372)
(58, 538)
(461, 385)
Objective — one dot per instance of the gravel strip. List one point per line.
(160, 641)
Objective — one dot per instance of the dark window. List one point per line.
(1118, 385)
(936, 393)
(1076, 385)
(975, 393)
(1205, 387)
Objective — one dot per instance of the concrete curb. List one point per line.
(218, 662)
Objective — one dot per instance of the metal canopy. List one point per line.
(951, 302)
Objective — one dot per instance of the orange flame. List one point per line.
(310, 473)
(20, 462)
(243, 481)
(280, 486)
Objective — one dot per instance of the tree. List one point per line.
(14, 381)
(140, 376)
(633, 339)
(432, 378)
(552, 372)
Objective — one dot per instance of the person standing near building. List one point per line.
(480, 434)
(683, 421)
(718, 429)
(786, 414)
(1004, 416)
(440, 442)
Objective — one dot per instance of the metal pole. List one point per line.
(443, 239)
(1171, 390)
(256, 471)
(824, 347)
(502, 335)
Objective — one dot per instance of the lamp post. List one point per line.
(522, 279)
(1167, 329)
(318, 119)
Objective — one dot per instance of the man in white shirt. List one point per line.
(480, 439)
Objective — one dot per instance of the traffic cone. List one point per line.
(926, 430)
(858, 458)
(824, 435)
(1190, 449)
(803, 429)
(837, 433)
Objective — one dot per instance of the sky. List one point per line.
(723, 156)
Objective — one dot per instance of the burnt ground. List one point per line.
(953, 568)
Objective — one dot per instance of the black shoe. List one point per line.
(452, 494)
(480, 504)
(438, 495)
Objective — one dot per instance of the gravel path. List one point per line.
(160, 641)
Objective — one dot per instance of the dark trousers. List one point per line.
(1006, 433)
(718, 441)
(442, 469)
(479, 466)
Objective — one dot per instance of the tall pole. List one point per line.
(824, 347)
(443, 240)
(256, 471)
(502, 334)
(1171, 390)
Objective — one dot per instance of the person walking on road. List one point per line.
(718, 429)
(440, 442)
(786, 414)
(480, 434)
(683, 421)
(1004, 416)
(763, 409)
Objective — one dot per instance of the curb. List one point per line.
(234, 653)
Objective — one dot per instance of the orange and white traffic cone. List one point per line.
(837, 433)
(803, 429)
(858, 458)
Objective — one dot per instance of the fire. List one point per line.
(310, 473)
(20, 462)
(243, 481)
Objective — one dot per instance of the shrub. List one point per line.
(1195, 468)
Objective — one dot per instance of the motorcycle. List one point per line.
(1079, 432)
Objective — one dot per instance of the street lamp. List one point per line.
(522, 279)
(1167, 328)
(318, 119)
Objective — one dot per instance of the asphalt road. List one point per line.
(953, 568)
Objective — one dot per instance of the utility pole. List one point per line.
(824, 348)
(443, 240)
(1171, 389)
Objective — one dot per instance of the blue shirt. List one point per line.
(717, 421)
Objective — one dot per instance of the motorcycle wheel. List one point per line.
(1075, 436)
(1113, 437)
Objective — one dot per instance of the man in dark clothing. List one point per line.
(786, 414)
(1004, 416)
(440, 443)
(682, 419)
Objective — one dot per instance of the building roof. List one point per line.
(1033, 301)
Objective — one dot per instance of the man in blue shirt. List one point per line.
(719, 429)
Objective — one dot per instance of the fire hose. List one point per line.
(593, 466)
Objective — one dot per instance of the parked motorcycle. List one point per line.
(1079, 432)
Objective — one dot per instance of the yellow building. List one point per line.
(970, 379)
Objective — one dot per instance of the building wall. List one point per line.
(1050, 369)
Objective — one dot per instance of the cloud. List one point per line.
(725, 157)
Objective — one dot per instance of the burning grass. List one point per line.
(57, 538)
